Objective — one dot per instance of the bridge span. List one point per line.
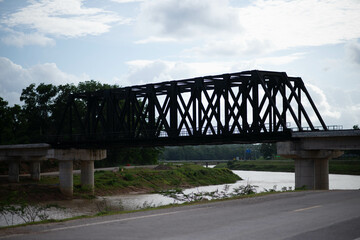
(244, 107)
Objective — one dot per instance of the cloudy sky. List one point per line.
(131, 42)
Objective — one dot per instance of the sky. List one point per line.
(130, 42)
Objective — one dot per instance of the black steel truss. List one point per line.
(244, 107)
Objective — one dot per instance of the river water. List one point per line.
(264, 180)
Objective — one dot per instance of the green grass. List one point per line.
(157, 180)
(130, 180)
(351, 167)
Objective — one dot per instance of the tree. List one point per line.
(39, 103)
(268, 150)
(5, 129)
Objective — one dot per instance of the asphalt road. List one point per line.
(297, 215)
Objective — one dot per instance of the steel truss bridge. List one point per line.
(243, 107)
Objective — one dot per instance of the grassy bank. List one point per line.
(126, 181)
(167, 177)
(351, 167)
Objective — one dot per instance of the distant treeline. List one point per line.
(220, 152)
(265, 151)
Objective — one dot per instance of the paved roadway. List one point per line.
(299, 215)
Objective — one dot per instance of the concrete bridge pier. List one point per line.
(66, 158)
(35, 170)
(311, 166)
(312, 173)
(66, 177)
(87, 175)
(14, 169)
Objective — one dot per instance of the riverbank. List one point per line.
(349, 167)
(124, 181)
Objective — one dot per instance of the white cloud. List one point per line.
(127, 1)
(302, 23)
(156, 39)
(263, 26)
(14, 78)
(187, 19)
(145, 71)
(352, 50)
(150, 71)
(322, 103)
(20, 39)
(60, 18)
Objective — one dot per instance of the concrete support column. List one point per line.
(66, 177)
(322, 174)
(35, 171)
(87, 175)
(304, 173)
(14, 169)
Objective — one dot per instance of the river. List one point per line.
(264, 180)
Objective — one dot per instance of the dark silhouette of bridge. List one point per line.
(243, 107)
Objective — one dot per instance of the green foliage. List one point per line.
(221, 152)
(268, 150)
(156, 180)
(216, 152)
(263, 165)
(179, 195)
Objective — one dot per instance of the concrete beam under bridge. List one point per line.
(35, 153)
(311, 166)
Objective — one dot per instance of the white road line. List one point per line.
(104, 222)
(304, 209)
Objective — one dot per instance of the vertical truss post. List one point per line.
(127, 111)
(151, 107)
(282, 85)
(194, 92)
(244, 92)
(270, 107)
(219, 86)
(109, 112)
(227, 104)
(255, 106)
(173, 110)
(299, 106)
(199, 89)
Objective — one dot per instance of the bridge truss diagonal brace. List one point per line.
(311, 166)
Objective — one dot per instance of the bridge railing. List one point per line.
(319, 128)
